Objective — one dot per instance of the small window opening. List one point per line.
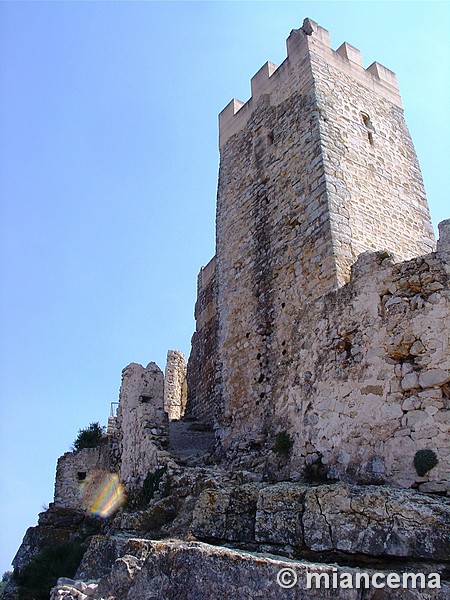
(369, 127)
(270, 138)
(145, 398)
(81, 475)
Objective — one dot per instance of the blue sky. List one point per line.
(108, 171)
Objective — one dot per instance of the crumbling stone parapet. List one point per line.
(175, 385)
(443, 244)
(142, 422)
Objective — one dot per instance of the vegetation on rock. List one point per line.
(42, 573)
(283, 444)
(89, 437)
(142, 497)
(424, 461)
(5, 578)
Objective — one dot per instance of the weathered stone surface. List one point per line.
(175, 385)
(202, 369)
(76, 470)
(142, 422)
(370, 520)
(435, 488)
(434, 378)
(376, 521)
(35, 540)
(228, 513)
(70, 589)
(307, 321)
(279, 514)
(98, 558)
(443, 244)
(176, 570)
(350, 377)
(56, 526)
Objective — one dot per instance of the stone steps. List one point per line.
(190, 441)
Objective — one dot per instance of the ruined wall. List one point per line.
(202, 371)
(76, 470)
(366, 374)
(175, 386)
(302, 191)
(142, 422)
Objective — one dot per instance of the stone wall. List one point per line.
(302, 191)
(371, 176)
(142, 422)
(365, 376)
(175, 385)
(203, 372)
(75, 470)
(316, 168)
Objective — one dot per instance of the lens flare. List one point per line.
(103, 494)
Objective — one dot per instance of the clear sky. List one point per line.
(108, 170)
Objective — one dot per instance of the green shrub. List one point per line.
(138, 499)
(151, 484)
(5, 578)
(424, 460)
(89, 437)
(283, 444)
(38, 577)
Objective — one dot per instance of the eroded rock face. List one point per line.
(377, 521)
(98, 558)
(327, 524)
(175, 570)
(339, 518)
(56, 526)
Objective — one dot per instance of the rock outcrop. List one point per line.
(298, 519)
(175, 570)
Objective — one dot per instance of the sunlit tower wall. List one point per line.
(317, 167)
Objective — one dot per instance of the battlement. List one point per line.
(313, 42)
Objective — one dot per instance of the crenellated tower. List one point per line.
(315, 168)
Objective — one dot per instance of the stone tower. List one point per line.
(316, 321)
(316, 168)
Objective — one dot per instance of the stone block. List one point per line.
(433, 377)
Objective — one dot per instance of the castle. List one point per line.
(307, 320)
(322, 337)
(316, 319)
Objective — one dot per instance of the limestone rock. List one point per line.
(98, 558)
(279, 514)
(370, 520)
(176, 570)
(228, 513)
(376, 521)
(434, 377)
(56, 526)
